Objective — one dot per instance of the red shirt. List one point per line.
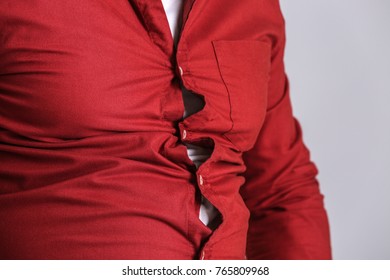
(91, 132)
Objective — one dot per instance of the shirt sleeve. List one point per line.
(288, 219)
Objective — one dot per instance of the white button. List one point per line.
(184, 134)
(181, 71)
(201, 180)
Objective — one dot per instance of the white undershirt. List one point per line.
(173, 10)
(192, 104)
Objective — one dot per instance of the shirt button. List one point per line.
(181, 71)
(201, 180)
(184, 136)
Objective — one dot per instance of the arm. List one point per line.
(288, 219)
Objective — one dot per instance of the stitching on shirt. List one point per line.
(229, 94)
(225, 84)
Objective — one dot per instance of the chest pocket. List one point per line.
(244, 68)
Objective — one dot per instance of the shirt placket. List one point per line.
(187, 135)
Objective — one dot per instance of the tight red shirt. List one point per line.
(92, 161)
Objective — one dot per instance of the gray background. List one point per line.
(338, 63)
